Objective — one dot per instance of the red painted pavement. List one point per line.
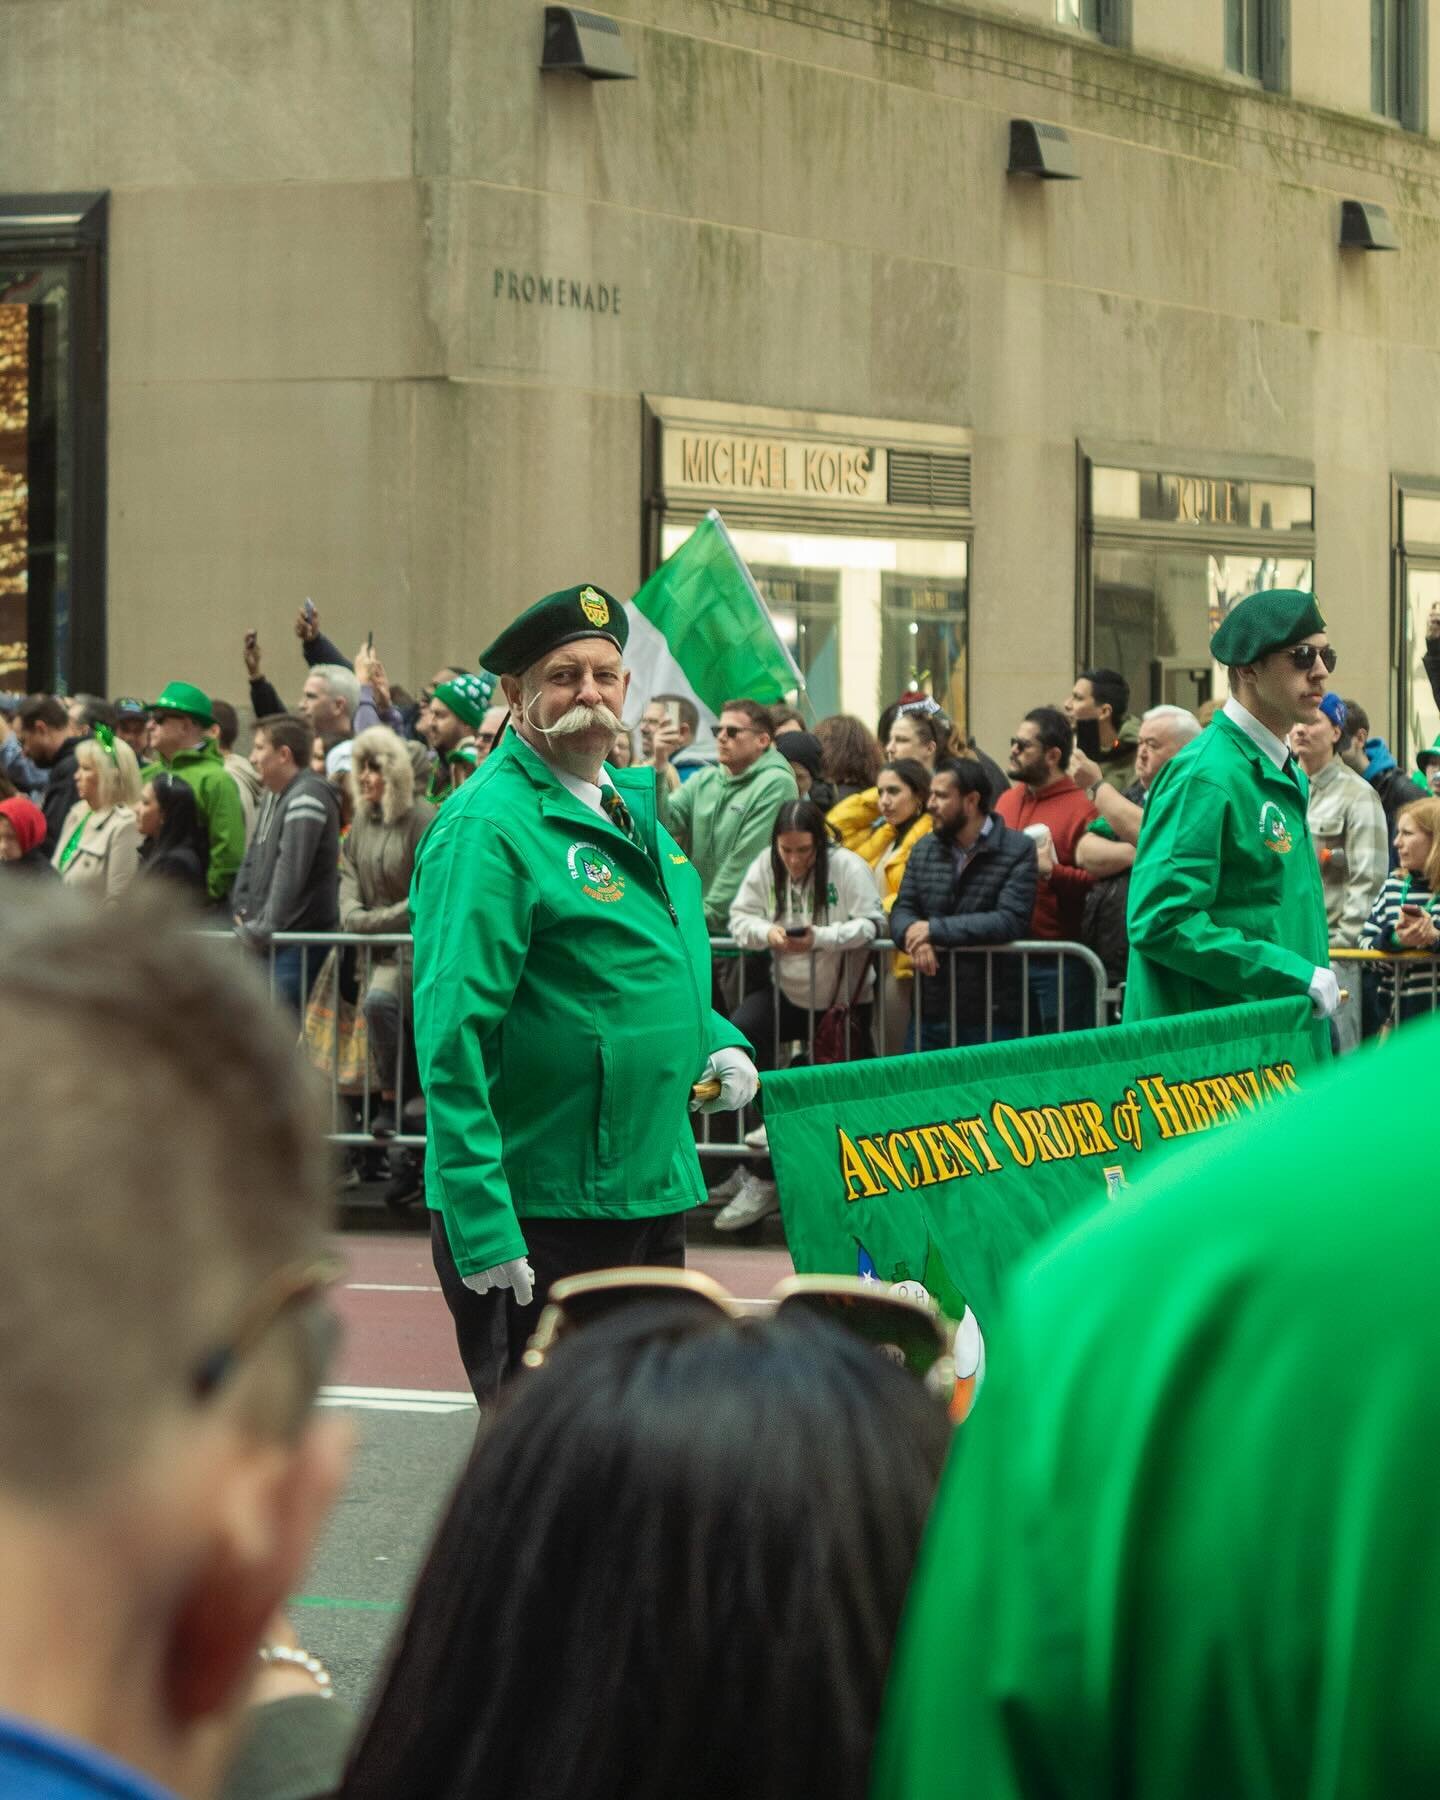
(405, 1339)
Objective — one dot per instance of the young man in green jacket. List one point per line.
(723, 817)
(1226, 903)
(562, 997)
(182, 715)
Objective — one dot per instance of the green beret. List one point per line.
(467, 696)
(181, 697)
(1264, 622)
(577, 612)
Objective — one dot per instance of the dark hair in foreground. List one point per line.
(674, 1567)
(802, 815)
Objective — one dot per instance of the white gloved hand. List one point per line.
(1325, 993)
(518, 1276)
(738, 1078)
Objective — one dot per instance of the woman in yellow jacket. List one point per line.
(884, 825)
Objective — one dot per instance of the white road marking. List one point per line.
(412, 1400)
(390, 1287)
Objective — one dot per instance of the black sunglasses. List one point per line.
(733, 730)
(1302, 657)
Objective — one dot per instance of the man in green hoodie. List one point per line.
(723, 817)
(182, 716)
(562, 998)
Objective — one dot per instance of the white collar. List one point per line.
(586, 792)
(1274, 749)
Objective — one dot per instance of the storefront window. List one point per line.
(865, 618)
(1422, 723)
(52, 498)
(1157, 607)
(1170, 554)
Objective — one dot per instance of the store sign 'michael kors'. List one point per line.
(745, 464)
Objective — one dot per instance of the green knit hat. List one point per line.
(467, 696)
(181, 697)
(1264, 622)
(577, 612)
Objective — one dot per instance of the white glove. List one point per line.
(1325, 993)
(518, 1276)
(739, 1081)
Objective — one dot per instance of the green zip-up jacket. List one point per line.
(218, 799)
(1226, 903)
(723, 822)
(562, 1008)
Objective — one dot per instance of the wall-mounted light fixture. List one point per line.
(1364, 225)
(585, 43)
(1041, 150)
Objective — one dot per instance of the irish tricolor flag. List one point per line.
(700, 627)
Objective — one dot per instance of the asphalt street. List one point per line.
(400, 1381)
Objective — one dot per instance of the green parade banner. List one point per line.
(944, 1168)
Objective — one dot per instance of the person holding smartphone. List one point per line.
(1105, 733)
(1404, 914)
(1226, 903)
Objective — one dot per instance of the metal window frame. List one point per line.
(1405, 554)
(1273, 73)
(72, 229)
(1400, 43)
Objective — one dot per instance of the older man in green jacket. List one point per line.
(562, 997)
(1226, 903)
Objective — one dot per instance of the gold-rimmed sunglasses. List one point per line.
(291, 1287)
(896, 1325)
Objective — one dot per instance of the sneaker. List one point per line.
(407, 1185)
(382, 1123)
(728, 1188)
(758, 1139)
(754, 1201)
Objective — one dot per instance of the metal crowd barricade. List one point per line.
(1414, 981)
(718, 1135)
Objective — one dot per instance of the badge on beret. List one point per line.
(594, 606)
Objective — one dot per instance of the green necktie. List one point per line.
(618, 813)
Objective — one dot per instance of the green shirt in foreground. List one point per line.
(1186, 1548)
(562, 1008)
(1225, 903)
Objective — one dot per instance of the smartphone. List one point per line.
(309, 610)
(1410, 910)
(252, 638)
(1087, 738)
(370, 640)
(672, 713)
(799, 931)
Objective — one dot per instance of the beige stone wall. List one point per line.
(315, 387)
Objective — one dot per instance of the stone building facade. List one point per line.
(380, 313)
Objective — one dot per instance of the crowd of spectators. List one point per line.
(307, 821)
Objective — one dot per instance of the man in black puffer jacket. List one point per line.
(971, 881)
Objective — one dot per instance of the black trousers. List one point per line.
(492, 1329)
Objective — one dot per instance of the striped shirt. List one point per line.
(1422, 977)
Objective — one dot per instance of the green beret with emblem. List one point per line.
(1264, 622)
(576, 612)
(467, 696)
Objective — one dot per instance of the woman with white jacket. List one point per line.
(99, 849)
(814, 905)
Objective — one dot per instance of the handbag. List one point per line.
(835, 1032)
(334, 1034)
